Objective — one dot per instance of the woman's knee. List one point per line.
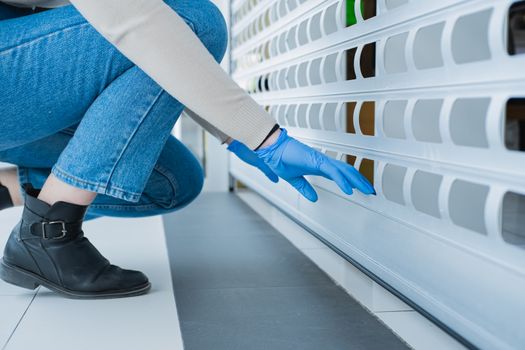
(207, 21)
(188, 186)
(177, 177)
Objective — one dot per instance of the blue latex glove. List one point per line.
(249, 156)
(291, 159)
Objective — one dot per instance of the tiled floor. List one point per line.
(42, 320)
(416, 330)
(239, 284)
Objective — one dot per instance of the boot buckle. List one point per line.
(64, 231)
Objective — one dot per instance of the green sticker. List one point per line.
(351, 18)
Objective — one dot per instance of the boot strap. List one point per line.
(5, 198)
(55, 229)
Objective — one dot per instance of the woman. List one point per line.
(90, 93)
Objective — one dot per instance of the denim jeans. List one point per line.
(71, 104)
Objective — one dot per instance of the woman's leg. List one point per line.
(57, 71)
(176, 179)
(61, 72)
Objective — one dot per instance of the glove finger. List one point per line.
(358, 179)
(334, 174)
(304, 188)
(267, 171)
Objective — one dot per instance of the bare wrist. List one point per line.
(271, 139)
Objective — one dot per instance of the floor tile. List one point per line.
(144, 322)
(419, 332)
(241, 261)
(299, 237)
(209, 227)
(256, 290)
(11, 290)
(214, 207)
(13, 308)
(279, 318)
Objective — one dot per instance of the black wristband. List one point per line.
(274, 129)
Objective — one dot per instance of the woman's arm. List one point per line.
(239, 149)
(208, 127)
(156, 39)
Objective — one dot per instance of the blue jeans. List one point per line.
(73, 105)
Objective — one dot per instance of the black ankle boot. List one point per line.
(47, 247)
(5, 198)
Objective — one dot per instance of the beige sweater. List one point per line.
(156, 38)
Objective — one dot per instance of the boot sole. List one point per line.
(29, 280)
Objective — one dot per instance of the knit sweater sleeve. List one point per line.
(155, 38)
(222, 137)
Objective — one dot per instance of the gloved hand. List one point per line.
(249, 156)
(291, 159)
